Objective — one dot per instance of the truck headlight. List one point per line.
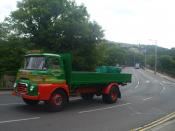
(14, 85)
(31, 88)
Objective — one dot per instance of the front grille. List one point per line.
(22, 88)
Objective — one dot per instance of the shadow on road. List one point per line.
(72, 106)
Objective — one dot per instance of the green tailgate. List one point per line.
(87, 78)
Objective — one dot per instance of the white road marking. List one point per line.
(163, 88)
(164, 81)
(8, 104)
(106, 108)
(147, 81)
(137, 84)
(161, 84)
(147, 98)
(17, 120)
(134, 110)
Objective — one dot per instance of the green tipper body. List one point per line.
(95, 78)
(103, 76)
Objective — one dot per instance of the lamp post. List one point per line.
(145, 57)
(155, 63)
(155, 67)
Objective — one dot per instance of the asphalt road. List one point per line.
(148, 98)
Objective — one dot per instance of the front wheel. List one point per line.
(112, 96)
(31, 102)
(57, 101)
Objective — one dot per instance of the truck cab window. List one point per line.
(34, 63)
(53, 63)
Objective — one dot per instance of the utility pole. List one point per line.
(155, 64)
(145, 57)
(134, 59)
(155, 67)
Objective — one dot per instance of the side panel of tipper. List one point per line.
(87, 78)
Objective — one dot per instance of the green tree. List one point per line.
(166, 64)
(58, 26)
(11, 55)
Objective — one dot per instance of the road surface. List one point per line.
(148, 98)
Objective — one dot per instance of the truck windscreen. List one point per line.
(34, 63)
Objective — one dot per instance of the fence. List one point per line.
(7, 80)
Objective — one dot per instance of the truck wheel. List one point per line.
(112, 96)
(87, 96)
(31, 102)
(57, 101)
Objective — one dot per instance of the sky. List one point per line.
(127, 21)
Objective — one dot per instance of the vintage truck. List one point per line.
(49, 78)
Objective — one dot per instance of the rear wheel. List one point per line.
(31, 102)
(57, 101)
(112, 96)
(87, 96)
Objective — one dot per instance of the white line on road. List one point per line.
(8, 104)
(99, 109)
(164, 81)
(163, 88)
(17, 120)
(137, 84)
(161, 84)
(147, 81)
(147, 98)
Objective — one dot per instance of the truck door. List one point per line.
(54, 66)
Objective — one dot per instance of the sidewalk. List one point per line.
(165, 123)
(167, 126)
(3, 92)
(162, 75)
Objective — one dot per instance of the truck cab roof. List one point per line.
(42, 54)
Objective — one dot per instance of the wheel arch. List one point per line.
(106, 90)
(46, 90)
(61, 89)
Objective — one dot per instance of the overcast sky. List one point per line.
(128, 21)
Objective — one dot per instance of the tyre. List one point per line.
(112, 96)
(87, 96)
(31, 102)
(57, 101)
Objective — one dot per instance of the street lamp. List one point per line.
(155, 67)
(155, 64)
(145, 56)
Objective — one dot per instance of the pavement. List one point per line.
(147, 104)
(3, 92)
(167, 126)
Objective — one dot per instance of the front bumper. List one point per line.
(26, 96)
(44, 91)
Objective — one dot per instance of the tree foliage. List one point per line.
(11, 55)
(58, 26)
(62, 26)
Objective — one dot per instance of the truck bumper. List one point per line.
(44, 91)
(26, 96)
